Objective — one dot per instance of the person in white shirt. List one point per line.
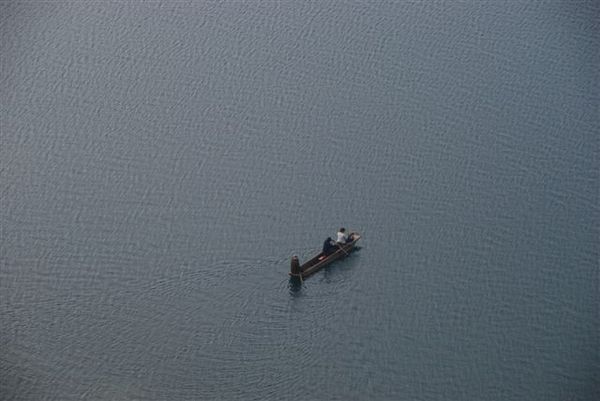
(342, 237)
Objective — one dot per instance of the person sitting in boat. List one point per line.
(329, 246)
(342, 237)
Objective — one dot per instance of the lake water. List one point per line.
(161, 162)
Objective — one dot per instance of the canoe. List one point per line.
(321, 260)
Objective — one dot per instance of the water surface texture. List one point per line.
(161, 162)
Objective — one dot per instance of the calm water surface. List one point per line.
(161, 162)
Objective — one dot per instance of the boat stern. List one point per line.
(295, 266)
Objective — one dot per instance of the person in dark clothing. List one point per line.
(329, 246)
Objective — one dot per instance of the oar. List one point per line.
(343, 250)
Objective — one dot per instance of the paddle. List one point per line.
(343, 250)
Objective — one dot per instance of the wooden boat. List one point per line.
(321, 260)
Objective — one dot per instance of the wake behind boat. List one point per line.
(321, 260)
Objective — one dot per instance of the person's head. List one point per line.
(329, 239)
(342, 230)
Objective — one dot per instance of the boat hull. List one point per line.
(321, 260)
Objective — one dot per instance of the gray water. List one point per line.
(161, 163)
